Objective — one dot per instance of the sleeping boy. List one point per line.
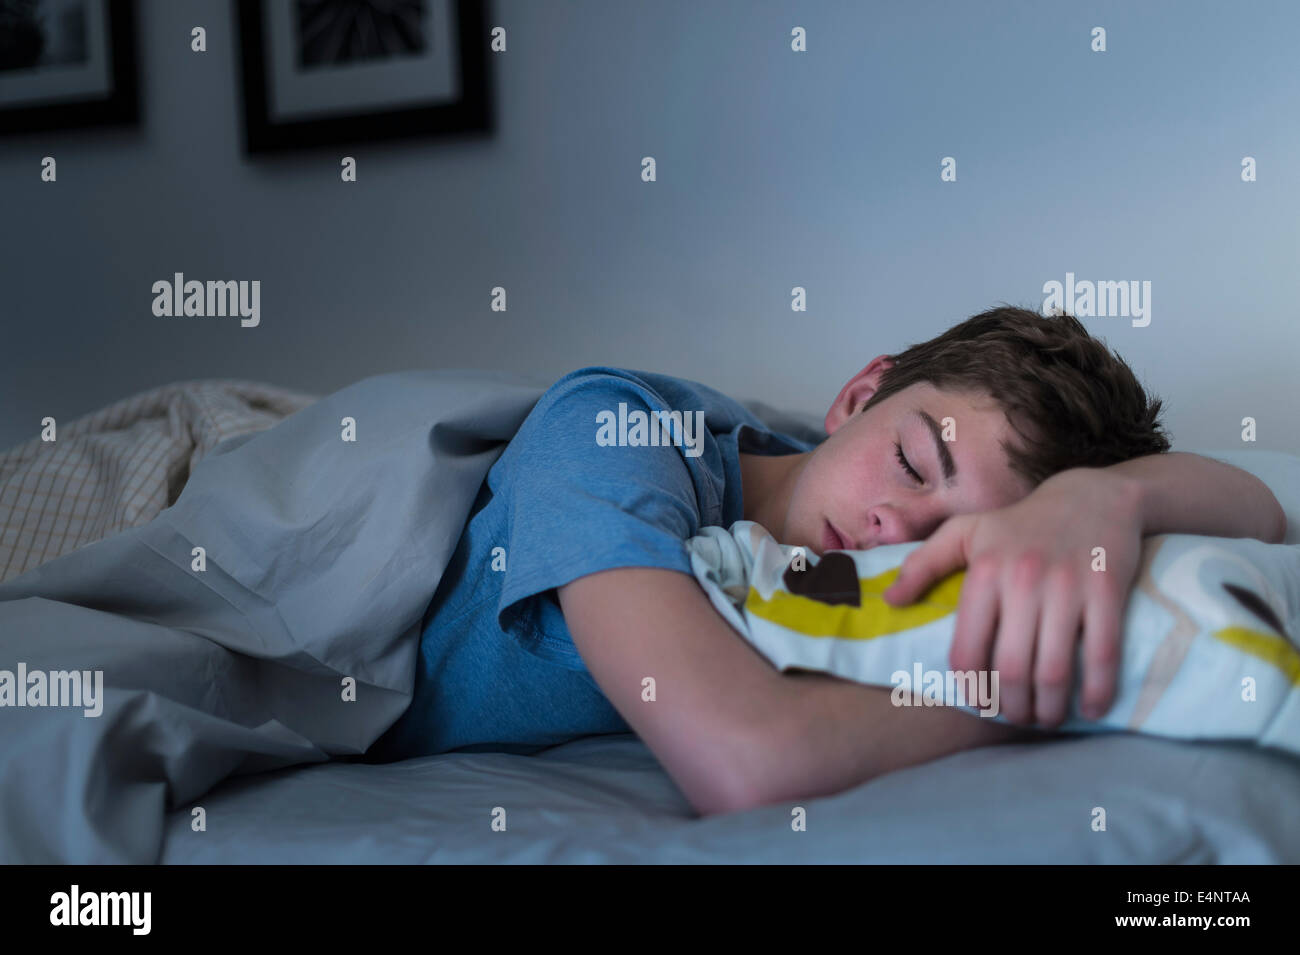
(1013, 444)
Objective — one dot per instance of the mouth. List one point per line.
(832, 539)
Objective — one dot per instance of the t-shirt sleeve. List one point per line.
(577, 507)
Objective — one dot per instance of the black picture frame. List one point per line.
(470, 115)
(121, 106)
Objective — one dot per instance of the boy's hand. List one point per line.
(1030, 589)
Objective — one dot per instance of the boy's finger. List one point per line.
(977, 621)
(933, 560)
(1014, 650)
(1101, 651)
(1058, 640)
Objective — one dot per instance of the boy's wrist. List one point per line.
(1132, 495)
(1139, 494)
(1143, 494)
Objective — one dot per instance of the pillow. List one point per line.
(1209, 647)
(802, 425)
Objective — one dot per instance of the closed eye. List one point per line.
(911, 471)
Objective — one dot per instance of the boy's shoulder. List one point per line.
(597, 388)
(605, 390)
(647, 386)
(600, 406)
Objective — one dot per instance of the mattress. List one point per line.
(604, 799)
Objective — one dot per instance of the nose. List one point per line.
(888, 524)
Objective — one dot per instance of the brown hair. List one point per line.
(1072, 401)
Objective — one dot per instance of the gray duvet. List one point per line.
(296, 641)
(238, 699)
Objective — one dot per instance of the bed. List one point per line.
(194, 770)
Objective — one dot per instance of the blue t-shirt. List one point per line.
(593, 480)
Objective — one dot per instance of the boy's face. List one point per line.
(854, 493)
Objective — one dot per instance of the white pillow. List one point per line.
(1209, 631)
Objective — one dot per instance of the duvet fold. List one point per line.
(269, 617)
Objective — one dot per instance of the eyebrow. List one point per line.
(940, 446)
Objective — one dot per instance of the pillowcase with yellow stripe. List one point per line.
(1209, 635)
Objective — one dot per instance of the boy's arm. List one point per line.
(1184, 493)
(731, 730)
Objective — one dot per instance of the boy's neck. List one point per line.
(767, 483)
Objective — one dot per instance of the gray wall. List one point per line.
(775, 169)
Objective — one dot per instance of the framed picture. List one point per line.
(67, 63)
(333, 72)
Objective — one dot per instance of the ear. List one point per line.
(856, 392)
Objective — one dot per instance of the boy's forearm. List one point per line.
(1184, 493)
(828, 735)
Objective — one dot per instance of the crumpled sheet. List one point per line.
(119, 466)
